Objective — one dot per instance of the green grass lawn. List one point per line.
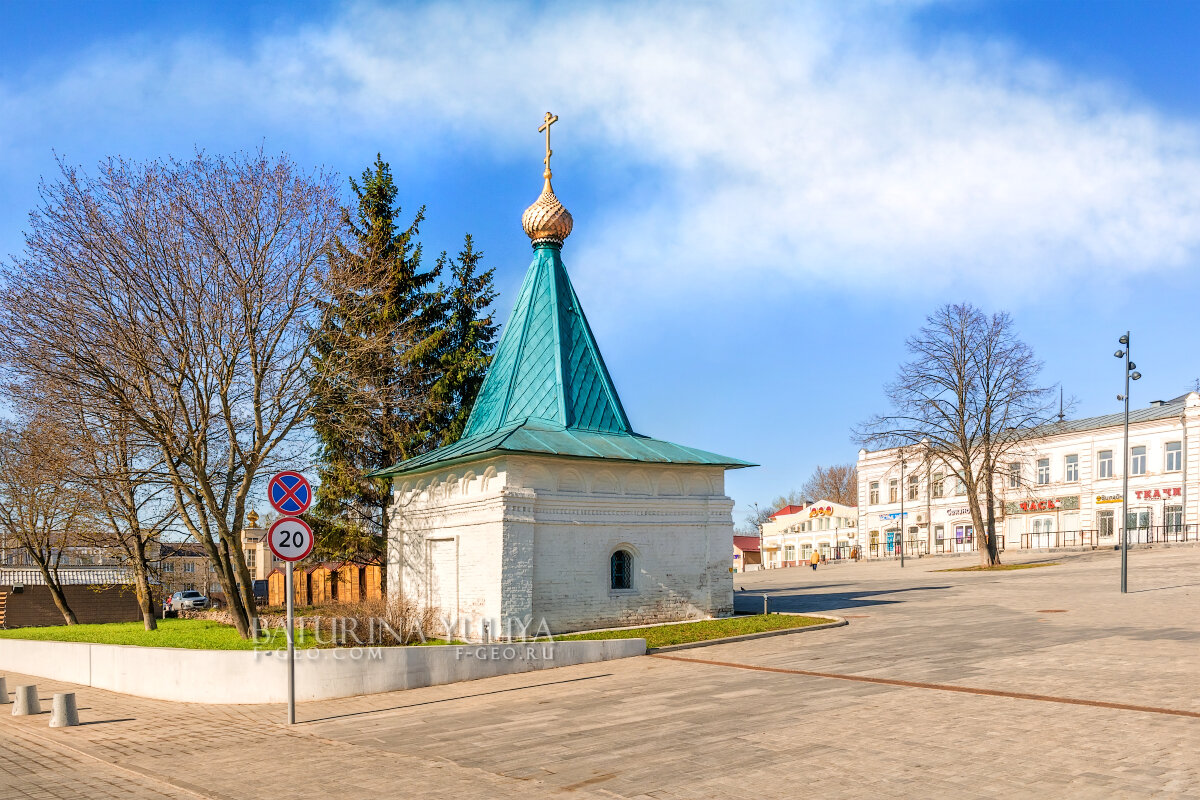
(190, 634)
(688, 632)
(1000, 567)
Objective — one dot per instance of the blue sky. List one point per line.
(768, 197)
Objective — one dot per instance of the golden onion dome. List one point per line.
(547, 220)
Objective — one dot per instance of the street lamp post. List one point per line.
(903, 464)
(1131, 373)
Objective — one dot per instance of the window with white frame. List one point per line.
(1137, 460)
(1174, 456)
(893, 490)
(1071, 469)
(913, 487)
(960, 486)
(1173, 518)
(1014, 475)
(1105, 460)
(1043, 471)
(873, 494)
(938, 485)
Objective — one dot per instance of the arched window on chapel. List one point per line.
(621, 570)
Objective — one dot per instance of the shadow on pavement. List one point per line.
(802, 598)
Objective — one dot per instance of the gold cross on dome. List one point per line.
(545, 126)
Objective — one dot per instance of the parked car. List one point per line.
(188, 601)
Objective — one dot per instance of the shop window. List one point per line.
(1173, 518)
(1043, 471)
(1105, 459)
(1174, 456)
(1071, 469)
(1137, 460)
(1106, 524)
(939, 533)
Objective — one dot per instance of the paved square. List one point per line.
(668, 728)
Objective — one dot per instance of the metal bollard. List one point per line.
(63, 713)
(26, 702)
(3, 691)
(764, 604)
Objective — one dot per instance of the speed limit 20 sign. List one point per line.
(290, 539)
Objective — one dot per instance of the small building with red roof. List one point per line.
(747, 553)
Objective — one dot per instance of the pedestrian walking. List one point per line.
(816, 559)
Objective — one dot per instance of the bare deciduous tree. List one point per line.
(41, 508)
(129, 493)
(838, 483)
(967, 398)
(179, 295)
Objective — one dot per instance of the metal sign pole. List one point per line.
(291, 646)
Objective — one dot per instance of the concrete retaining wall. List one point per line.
(239, 676)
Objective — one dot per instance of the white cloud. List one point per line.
(818, 143)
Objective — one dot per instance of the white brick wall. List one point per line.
(535, 536)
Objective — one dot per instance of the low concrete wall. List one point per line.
(240, 676)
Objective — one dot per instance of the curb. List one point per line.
(834, 622)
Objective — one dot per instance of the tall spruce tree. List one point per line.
(470, 338)
(377, 356)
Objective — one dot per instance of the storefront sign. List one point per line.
(1043, 505)
(1104, 499)
(893, 515)
(1159, 494)
(962, 511)
(820, 511)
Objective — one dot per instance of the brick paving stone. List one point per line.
(653, 728)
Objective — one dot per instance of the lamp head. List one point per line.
(1136, 376)
(1124, 340)
(1132, 365)
(1119, 354)
(1120, 397)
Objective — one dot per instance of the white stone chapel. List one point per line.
(550, 507)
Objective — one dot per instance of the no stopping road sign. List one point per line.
(289, 493)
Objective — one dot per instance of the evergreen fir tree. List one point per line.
(470, 338)
(377, 357)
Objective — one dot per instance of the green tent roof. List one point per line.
(547, 390)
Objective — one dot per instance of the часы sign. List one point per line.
(1043, 504)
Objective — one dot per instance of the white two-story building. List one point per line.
(1059, 489)
(793, 532)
